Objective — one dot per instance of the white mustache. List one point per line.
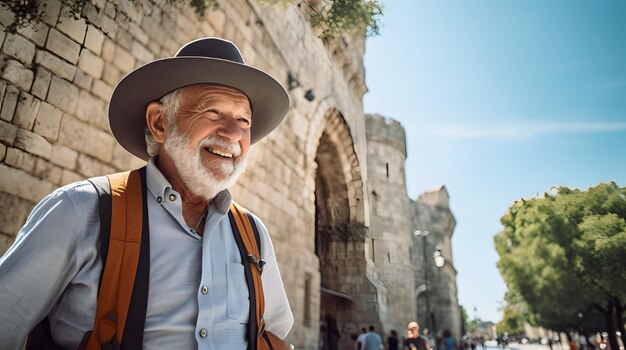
(216, 141)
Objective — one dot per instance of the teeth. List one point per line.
(223, 154)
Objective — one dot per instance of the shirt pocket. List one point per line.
(238, 304)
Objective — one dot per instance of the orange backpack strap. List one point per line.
(249, 242)
(123, 265)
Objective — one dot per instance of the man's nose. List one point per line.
(230, 129)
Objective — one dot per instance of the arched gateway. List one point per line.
(347, 298)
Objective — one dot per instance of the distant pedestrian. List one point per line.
(392, 340)
(415, 341)
(361, 338)
(373, 341)
(572, 345)
(449, 342)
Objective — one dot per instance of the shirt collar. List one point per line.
(157, 185)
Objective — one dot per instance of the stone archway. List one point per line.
(339, 237)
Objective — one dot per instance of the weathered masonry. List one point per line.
(308, 181)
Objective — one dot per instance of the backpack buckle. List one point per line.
(258, 263)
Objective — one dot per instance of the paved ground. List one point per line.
(516, 346)
(492, 345)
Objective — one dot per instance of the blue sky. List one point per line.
(501, 100)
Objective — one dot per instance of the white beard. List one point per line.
(195, 176)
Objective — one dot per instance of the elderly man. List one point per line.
(415, 341)
(193, 117)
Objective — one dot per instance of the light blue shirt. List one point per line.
(53, 269)
(373, 341)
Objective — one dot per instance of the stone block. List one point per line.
(102, 90)
(74, 28)
(19, 48)
(41, 84)
(63, 46)
(184, 23)
(6, 17)
(55, 64)
(83, 80)
(94, 40)
(109, 27)
(109, 9)
(88, 107)
(123, 60)
(91, 64)
(141, 53)
(93, 15)
(124, 40)
(48, 171)
(108, 50)
(19, 159)
(48, 122)
(64, 157)
(32, 143)
(18, 74)
(138, 33)
(111, 74)
(63, 94)
(150, 25)
(90, 167)
(69, 177)
(132, 11)
(154, 47)
(8, 132)
(50, 10)
(9, 103)
(26, 111)
(3, 89)
(99, 3)
(21, 184)
(3, 151)
(86, 139)
(207, 29)
(217, 18)
(13, 214)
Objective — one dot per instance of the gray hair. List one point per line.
(169, 104)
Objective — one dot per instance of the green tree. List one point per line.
(515, 314)
(564, 255)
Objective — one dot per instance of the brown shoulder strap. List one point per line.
(247, 237)
(124, 248)
(253, 265)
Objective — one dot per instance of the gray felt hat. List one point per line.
(206, 60)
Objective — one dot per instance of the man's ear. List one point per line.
(156, 120)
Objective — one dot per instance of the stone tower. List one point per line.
(389, 241)
(436, 285)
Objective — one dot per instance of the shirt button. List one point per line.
(172, 197)
(203, 333)
(159, 199)
(205, 290)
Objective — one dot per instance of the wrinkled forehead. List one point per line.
(207, 93)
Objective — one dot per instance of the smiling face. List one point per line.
(209, 139)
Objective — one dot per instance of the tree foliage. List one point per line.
(334, 17)
(563, 254)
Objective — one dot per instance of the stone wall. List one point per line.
(57, 77)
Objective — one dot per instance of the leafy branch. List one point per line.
(333, 17)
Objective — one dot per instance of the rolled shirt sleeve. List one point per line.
(47, 255)
(278, 316)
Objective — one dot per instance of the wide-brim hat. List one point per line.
(206, 60)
